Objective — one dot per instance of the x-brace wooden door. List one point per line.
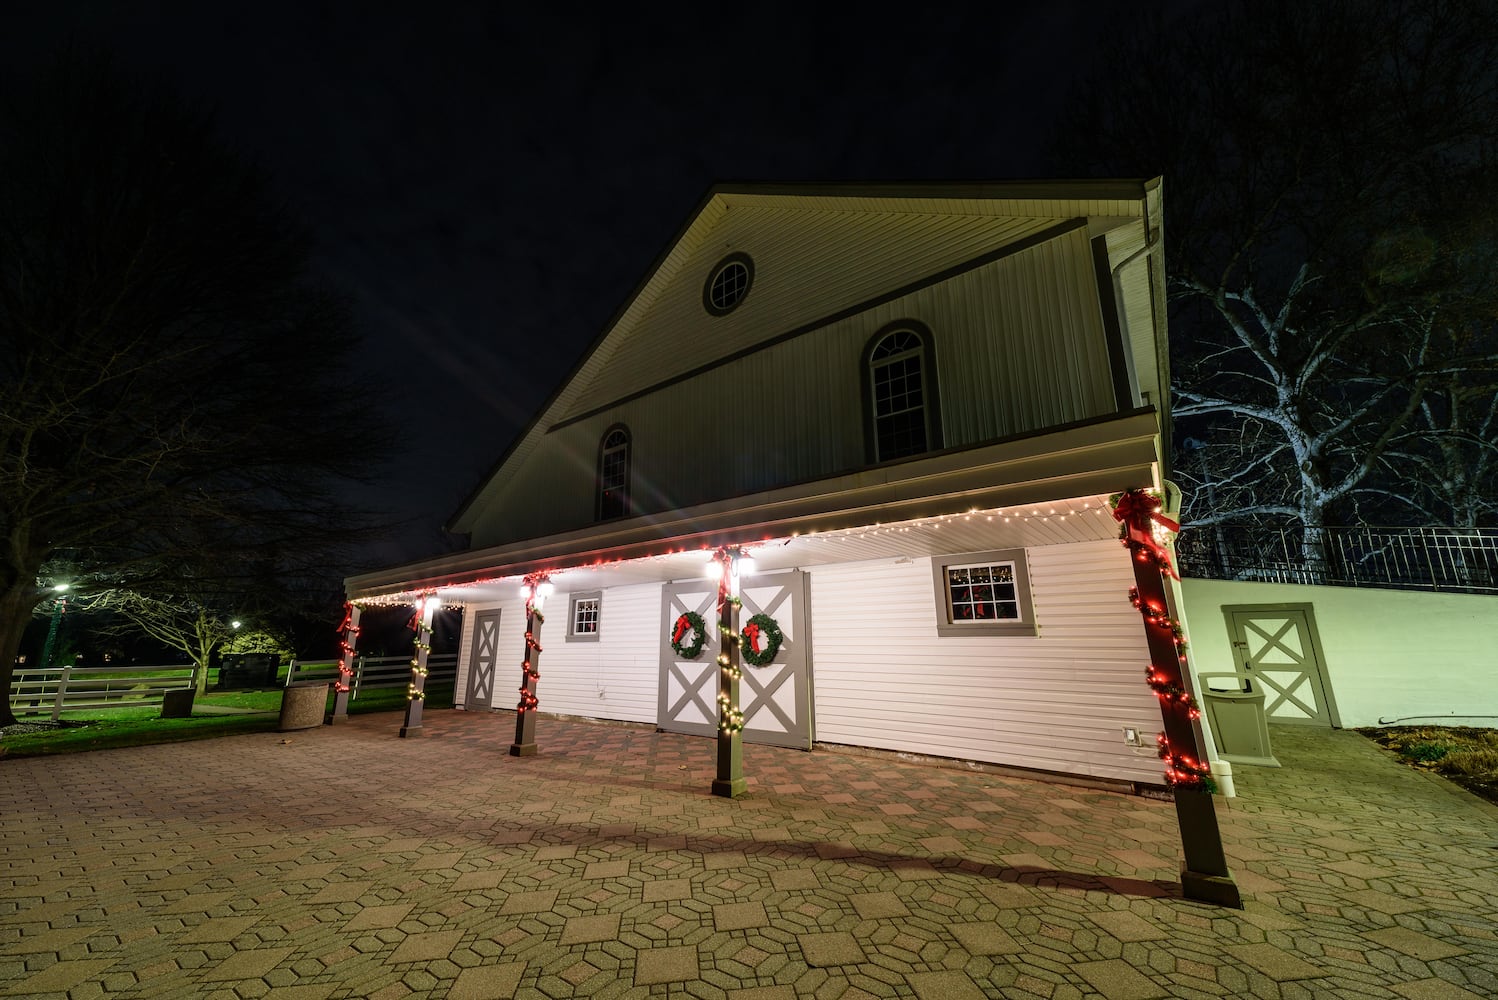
(775, 698)
(482, 661)
(1276, 647)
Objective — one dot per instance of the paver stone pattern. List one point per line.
(345, 862)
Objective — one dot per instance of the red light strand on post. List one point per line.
(1182, 770)
(348, 638)
(530, 675)
(1138, 514)
(1171, 694)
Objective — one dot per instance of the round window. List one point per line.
(727, 284)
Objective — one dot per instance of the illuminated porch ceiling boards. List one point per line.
(1076, 519)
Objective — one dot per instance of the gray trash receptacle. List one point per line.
(303, 705)
(1234, 707)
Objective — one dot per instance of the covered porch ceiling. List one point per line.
(1075, 519)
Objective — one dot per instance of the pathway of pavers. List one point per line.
(344, 862)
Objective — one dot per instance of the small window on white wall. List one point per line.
(983, 593)
(584, 616)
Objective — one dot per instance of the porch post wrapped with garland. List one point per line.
(348, 642)
(730, 781)
(1144, 530)
(536, 589)
(416, 691)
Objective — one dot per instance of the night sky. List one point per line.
(487, 187)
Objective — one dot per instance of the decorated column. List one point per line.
(421, 622)
(348, 642)
(536, 589)
(1204, 875)
(730, 780)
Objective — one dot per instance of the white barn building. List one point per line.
(910, 404)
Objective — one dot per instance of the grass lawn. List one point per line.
(1461, 754)
(257, 711)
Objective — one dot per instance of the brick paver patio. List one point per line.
(344, 862)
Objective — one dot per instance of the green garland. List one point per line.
(766, 626)
(690, 623)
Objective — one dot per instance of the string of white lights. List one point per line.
(1094, 507)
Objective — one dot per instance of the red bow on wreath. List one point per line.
(1139, 512)
(681, 628)
(751, 636)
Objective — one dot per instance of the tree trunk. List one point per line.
(16, 604)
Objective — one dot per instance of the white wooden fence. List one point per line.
(375, 671)
(54, 690)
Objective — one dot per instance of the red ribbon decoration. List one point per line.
(682, 624)
(1139, 511)
(751, 636)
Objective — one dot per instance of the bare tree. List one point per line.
(1324, 166)
(174, 389)
(188, 625)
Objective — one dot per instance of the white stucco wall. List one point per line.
(1390, 654)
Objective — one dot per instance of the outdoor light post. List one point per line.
(536, 590)
(59, 608)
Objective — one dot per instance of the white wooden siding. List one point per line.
(612, 678)
(881, 676)
(1019, 347)
(511, 635)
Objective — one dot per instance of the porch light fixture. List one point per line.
(746, 565)
(538, 597)
(713, 570)
(433, 603)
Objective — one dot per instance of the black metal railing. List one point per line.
(1462, 560)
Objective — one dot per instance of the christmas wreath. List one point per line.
(688, 624)
(761, 627)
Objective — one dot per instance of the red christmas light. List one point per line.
(1183, 770)
(1138, 511)
(528, 700)
(348, 637)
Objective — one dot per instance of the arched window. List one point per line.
(613, 474)
(900, 386)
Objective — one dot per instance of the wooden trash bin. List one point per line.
(303, 705)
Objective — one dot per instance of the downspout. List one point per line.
(1152, 243)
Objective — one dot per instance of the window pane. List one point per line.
(982, 593)
(898, 396)
(585, 617)
(613, 475)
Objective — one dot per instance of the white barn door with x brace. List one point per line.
(775, 698)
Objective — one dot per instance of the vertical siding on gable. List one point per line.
(807, 265)
(1058, 702)
(1019, 347)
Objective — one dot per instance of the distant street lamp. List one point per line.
(59, 608)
